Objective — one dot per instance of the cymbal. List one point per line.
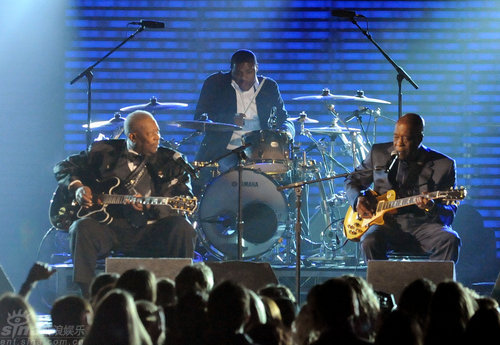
(111, 124)
(303, 118)
(326, 96)
(332, 130)
(154, 105)
(205, 126)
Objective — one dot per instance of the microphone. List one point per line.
(150, 24)
(354, 115)
(357, 113)
(346, 14)
(177, 157)
(391, 161)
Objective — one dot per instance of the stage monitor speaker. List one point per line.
(5, 284)
(161, 267)
(393, 276)
(253, 275)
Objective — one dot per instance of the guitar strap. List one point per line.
(135, 176)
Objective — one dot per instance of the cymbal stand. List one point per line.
(356, 114)
(376, 114)
(352, 143)
(177, 144)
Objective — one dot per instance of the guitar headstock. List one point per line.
(453, 196)
(186, 204)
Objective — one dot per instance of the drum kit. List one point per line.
(271, 160)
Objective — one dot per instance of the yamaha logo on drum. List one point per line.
(246, 184)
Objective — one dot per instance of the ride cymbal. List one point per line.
(332, 130)
(111, 124)
(303, 118)
(326, 96)
(204, 126)
(154, 105)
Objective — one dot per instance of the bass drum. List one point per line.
(265, 214)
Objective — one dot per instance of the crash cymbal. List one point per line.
(154, 105)
(303, 118)
(332, 130)
(111, 124)
(326, 96)
(205, 126)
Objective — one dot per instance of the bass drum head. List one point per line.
(264, 214)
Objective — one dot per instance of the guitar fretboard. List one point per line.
(411, 200)
(123, 199)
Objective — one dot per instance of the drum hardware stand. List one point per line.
(346, 141)
(356, 114)
(401, 72)
(89, 75)
(176, 144)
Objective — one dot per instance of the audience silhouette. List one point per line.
(137, 308)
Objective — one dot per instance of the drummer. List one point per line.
(242, 98)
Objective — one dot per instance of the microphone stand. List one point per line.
(401, 72)
(240, 152)
(298, 186)
(89, 75)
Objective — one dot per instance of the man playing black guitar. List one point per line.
(136, 166)
(410, 169)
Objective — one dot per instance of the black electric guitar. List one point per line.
(64, 210)
(355, 226)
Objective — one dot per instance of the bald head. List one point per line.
(135, 120)
(143, 133)
(414, 121)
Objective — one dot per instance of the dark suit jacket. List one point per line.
(437, 173)
(218, 100)
(168, 177)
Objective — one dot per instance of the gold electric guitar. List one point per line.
(355, 226)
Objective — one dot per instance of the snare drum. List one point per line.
(270, 151)
(265, 214)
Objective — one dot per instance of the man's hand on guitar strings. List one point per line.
(83, 196)
(364, 208)
(423, 202)
(136, 205)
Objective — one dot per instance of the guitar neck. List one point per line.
(112, 199)
(403, 202)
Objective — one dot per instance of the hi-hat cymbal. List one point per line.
(326, 96)
(154, 105)
(332, 130)
(111, 124)
(303, 118)
(205, 126)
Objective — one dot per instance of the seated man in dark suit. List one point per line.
(142, 169)
(410, 169)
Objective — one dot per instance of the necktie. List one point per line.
(402, 175)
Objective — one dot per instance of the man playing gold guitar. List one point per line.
(149, 225)
(419, 220)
